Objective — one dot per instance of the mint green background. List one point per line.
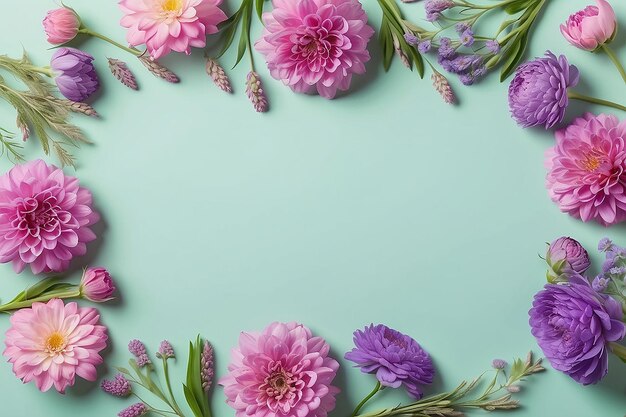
(384, 205)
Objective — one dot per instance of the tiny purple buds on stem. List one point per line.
(118, 387)
(207, 366)
(166, 351)
(138, 349)
(218, 75)
(120, 70)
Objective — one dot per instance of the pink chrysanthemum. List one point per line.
(587, 169)
(312, 44)
(170, 25)
(52, 343)
(282, 371)
(44, 218)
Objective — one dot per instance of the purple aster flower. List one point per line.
(573, 326)
(424, 46)
(138, 349)
(605, 244)
(600, 283)
(395, 358)
(75, 75)
(493, 46)
(166, 350)
(498, 364)
(135, 410)
(207, 370)
(467, 38)
(446, 50)
(566, 256)
(118, 387)
(538, 92)
(411, 39)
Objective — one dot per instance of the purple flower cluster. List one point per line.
(395, 358)
(135, 410)
(434, 8)
(207, 367)
(165, 351)
(613, 268)
(118, 387)
(138, 349)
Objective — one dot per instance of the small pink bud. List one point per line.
(97, 285)
(61, 25)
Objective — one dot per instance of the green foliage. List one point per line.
(197, 399)
(242, 17)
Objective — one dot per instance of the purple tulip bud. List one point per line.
(566, 256)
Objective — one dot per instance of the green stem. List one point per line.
(615, 60)
(75, 293)
(369, 396)
(166, 373)
(576, 96)
(618, 350)
(90, 32)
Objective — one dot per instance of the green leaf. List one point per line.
(122, 370)
(518, 6)
(191, 401)
(41, 287)
(246, 21)
(386, 42)
(515, 54)
(259, 9)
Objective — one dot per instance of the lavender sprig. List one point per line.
(218, 75)
(254, 90)
(207, 367)
(120, 70)
(442, 86)
(159, 70)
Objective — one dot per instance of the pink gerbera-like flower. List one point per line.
(282, 371)
(312, 44)
(170, 25)
(587, 169)
(44, 218)
(52, 343)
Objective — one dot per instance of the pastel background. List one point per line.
(384, 205)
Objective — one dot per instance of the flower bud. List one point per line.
(61, 25)
(591, 27)
(97, 285)
(565, 257)
(75, 74)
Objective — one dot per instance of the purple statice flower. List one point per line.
(165, 351)
(74, 73)
(463, 63)
(538, 92)
(605, 244)
(135, 410)
(566, 256)
(467, 38)
(617, 270)
(424, 46)
(435, 7)
(608, 264)
(207, 366)
(480, 71)
(573, 326)
(446, 50)
(467, 78)
(118, 387)
(493, 46)
(395, 358)
(498, 364)
(461, 27)
(138, 349)
(411, 39)
(600, 283)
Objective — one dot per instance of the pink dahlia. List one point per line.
(170, 25)
(587, 169)
(282, 371)
(52, 343)
(44, 218)
(318, 44)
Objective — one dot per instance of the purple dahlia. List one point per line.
(395, 358)
(573, 326)
(538, 92)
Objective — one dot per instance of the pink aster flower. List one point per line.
(587, 169)
(45, 218)
(315, 44)
(282, 371)
(52, 343)
(170, 25)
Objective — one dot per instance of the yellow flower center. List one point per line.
(55, 343)
(171, 5)
(590, 163)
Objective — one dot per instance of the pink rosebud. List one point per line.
(591, 27)
(61, 25)
(97, 285)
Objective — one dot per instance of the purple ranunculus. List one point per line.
(566, 256)
(573, 326)
(538, 92)
(395, 358)
(75, 75)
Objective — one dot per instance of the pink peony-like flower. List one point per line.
(170, 25)
(52, 343)
(587, 169)
(44, 218)
(315, 44)
(96, 285)
(282, 371)
(591, 27)
(61, 25)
